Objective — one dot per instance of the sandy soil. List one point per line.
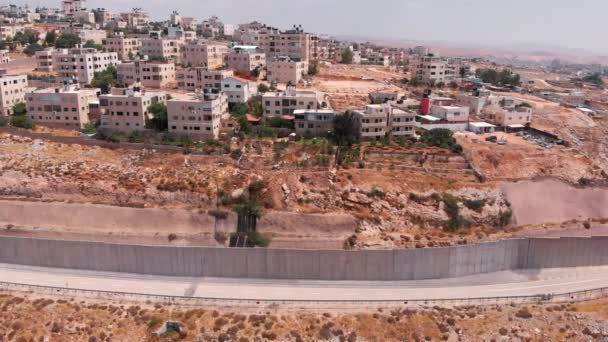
(31, 318)
(551, 201)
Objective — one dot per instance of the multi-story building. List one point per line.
(245, 59)
(237, 90)
(126, 109)
(44, 59)
(204, 53)
(198, 115)
(315, 122)
(70, 7)
(67, 107)
(160, 48)
(286, 102)
(192, 79)
(81, 64)
(381, 120)
(420, 51)
(4, 57)
(9, 31)
(431, 69)
(12, 91)
(149, 74)
(126, 48)
(84, 17)
(295, 43)
(513, 117)
(136, 18)
(86, 34)
(212, 28)
(285, 70)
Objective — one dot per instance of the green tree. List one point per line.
(32, 49)
(313, 68)
(106, 79)
(255, 73)
(345, 130)
(67, 41)
(22, 121)
(20, 109)
(90, 44)
(347, 56)
(263, 88)
(4, 45)
(160, 120)
(441, 137)
(50, 38)
(28, 36)
(239, 109)
(595, 79)
(463, 72)
(255, 106)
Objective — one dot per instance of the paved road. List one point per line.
(501, 284)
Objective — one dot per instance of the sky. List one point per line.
(570, 24)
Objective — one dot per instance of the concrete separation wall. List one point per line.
(410, 264)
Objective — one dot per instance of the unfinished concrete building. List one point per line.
(66, 107)
(126, 109)
(197, 115)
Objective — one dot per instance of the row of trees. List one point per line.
(31, 40)
(503, 78)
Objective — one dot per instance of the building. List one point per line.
(212, 28)
(126, 48)
(286, 70)
(315, 122)
(67, 107)
(4, 57)
(84, 17)
(86, 34)
(295, 43)
(513, 117)
(431, 69)
(70, 7)
(237, 90)
(197, 115)
(421, 51)
(450, 113)
(44, 58)
(204, 53)
(286, 102)
(9, 31)
(148, 73)
(377, 121)
(12, 91)
(126, 109)
(245, 59)
(476, 102)
(162, 49)
(81, 64)
(192, 79)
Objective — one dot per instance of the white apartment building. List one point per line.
(164, 49)
(4, 57)
(295, 43)
(197, 115)
(12, 91)
(126, 48)
(450, 113)
(286, 102)
(286, 70)
(66, 107)
(149, 74)
(381, 120)
(315, 122)
(9, 31)
(245, 59)
(44, 58)
(126, 109)
(237, 90)
(81, 64)
(192, 79)
(431, 70)
(204, 53)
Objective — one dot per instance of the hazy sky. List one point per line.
(577, 24)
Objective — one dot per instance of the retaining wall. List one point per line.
(411, 264)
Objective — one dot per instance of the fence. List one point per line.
(379, 265)
(578, 296)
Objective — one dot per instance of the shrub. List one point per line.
(22, 121)
(587, 225)
(155, 322)
(475, 205)
(504, 217)
(257, 239)
(218, 214)
(376, 192)
(236, 154)
(172, 237)
(453, 211)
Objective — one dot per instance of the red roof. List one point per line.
(253, 118)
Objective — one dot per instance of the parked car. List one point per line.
(492, 138)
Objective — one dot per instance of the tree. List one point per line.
(32, 49)
(313, 68)
(255, 106)
(20, 109)
(347, 56)
(22, 121)
(67, 41)
(595, 79)
(441, 137)
(28, 36)
(90, 44)
(463, 72)
(3, 45)
(239, 109)
(413, 82)
(263, 88)
(504, 78)
(50, 38)
(255, 73)
(345, 130)
(106, 79)
(160, 121)
(130, 55)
